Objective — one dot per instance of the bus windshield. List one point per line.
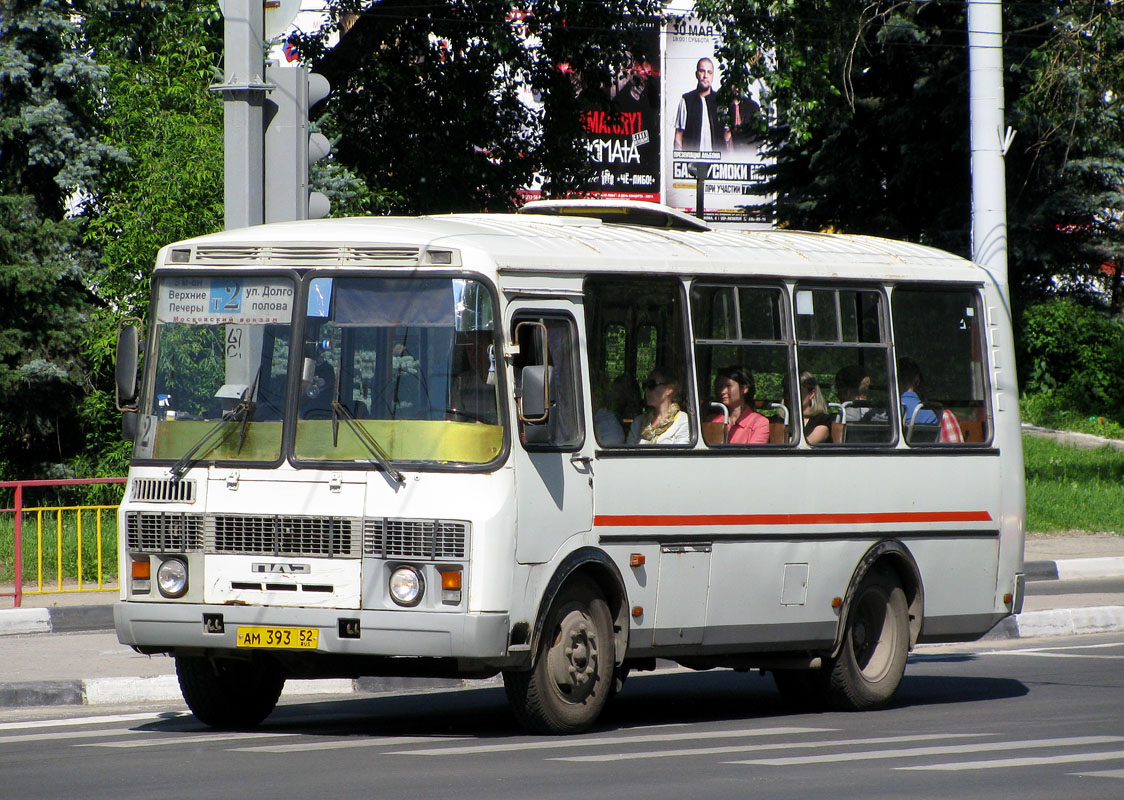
(402, 366)
(221, 349)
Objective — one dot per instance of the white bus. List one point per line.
(560, 445)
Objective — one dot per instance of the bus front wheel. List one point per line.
(573, 671)
(229, 693)
(866, 673)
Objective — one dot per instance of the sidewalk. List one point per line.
(89, 667)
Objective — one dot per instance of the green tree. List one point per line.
(49, 155)
(428, 97)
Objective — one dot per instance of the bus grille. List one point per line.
(159, 490)
(163, 533)
(326, 537)
(415, 538)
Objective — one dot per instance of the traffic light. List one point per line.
(289, 148)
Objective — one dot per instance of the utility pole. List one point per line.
(243, 92)
(988, 138)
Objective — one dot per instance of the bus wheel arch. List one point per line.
(577, 646)
(880, 621)
(892, 556)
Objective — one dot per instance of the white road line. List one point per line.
(1033, 761)
(709, 751)
(553, 744)
(47, 737)
(871, 755)
(71, 721)
(344, 744)
(163, 741)
(1064, 655)
(1054, 649)
(1104, 773)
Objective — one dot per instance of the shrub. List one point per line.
(1073, 355)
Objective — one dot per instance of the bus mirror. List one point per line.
(129, 425)
(308, 375)
(128, 353)
(534, 398)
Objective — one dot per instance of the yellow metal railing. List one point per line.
(62, 543)
(77, 584)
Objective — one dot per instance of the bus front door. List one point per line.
(553, 478)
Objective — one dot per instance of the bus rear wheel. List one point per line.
(229, 693)
(573, 672)
(866, 673)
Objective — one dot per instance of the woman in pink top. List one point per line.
(734, 388)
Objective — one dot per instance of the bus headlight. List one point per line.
(406, 586)
(171, 577)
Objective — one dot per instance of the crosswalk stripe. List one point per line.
(709, 751)
(47, 737)
(1103, 773)
(870, 755)
(73, 721)
(589, 741)
(344, 744)
(1033, 761)
(162, 741)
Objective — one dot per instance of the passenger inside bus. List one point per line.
(813, 406)
(734, 388)
(622, 400)
(852, 384)
(912, 385)
(664, 422)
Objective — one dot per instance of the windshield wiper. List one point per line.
(339, 410)
(210, 440)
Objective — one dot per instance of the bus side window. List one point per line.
(548, 399)
(843, 346)
(941, 375)
(743, 357)
(636, 327)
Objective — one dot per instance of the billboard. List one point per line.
(701, 133)
(624, 141)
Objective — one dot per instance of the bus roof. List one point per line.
(565, 244)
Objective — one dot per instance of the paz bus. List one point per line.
(439, 446)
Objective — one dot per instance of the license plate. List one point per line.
(278, 638)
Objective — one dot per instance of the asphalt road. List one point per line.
(1027, 719)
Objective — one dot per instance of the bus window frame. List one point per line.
(687, 377)
(502, 390)
(886, 343)
(532, 315)
(788, 328)
(976, 290)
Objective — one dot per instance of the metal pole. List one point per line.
(19, 545)
(985, 84)
(243, 91)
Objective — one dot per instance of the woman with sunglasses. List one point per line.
(663, 422)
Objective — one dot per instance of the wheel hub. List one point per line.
(573, 658)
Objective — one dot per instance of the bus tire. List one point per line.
(229, 693)
(573, 671)
(866, 673)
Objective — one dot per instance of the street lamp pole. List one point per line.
(989, 140)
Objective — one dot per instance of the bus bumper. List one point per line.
(167, 627)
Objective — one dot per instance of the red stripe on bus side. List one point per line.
(679, 520)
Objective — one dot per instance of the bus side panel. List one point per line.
(783, 539)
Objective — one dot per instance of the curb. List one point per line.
(166, 688)
(1060, 622)
(58, 619)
